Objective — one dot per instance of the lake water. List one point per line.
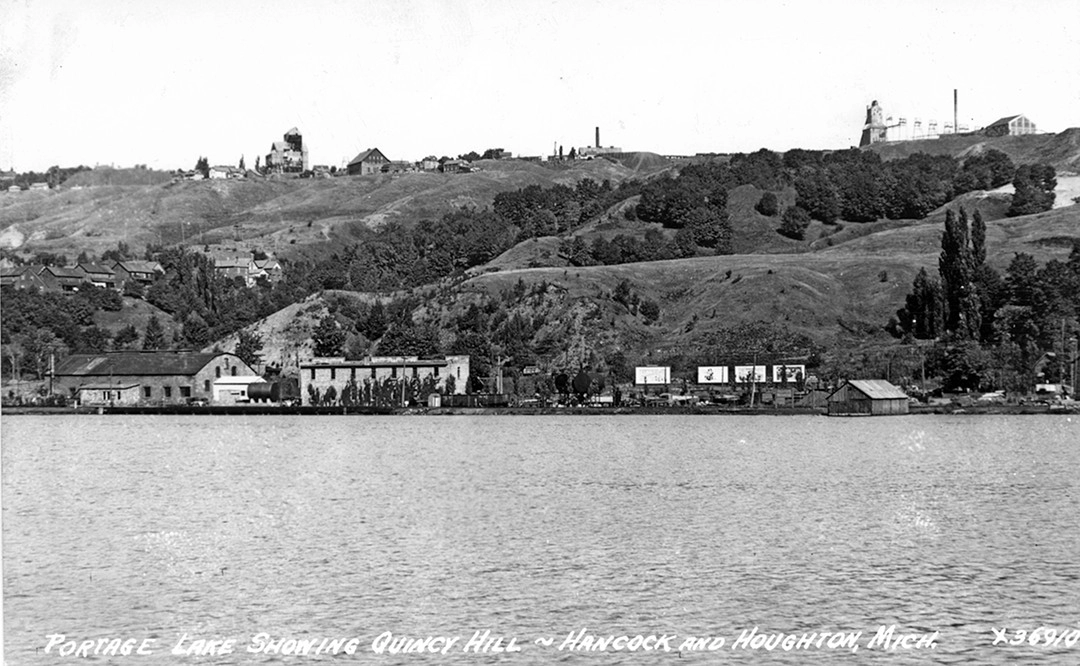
(535, 527)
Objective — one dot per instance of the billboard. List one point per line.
(712, 374)
(652, 374)
(792, 371)
(745, 374)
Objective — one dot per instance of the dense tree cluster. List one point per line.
(991, 330)
(54, 176)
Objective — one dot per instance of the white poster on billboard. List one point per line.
(745, 374)
(712, 374)
(782, 373)
(652, 374)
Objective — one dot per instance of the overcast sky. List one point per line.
(163, 82)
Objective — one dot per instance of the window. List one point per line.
(147, 392)
(217, 371)
(313, 374)
(185, 391)
(234, 371)
(373, 373)
(168, 391)
(352, 373)
(333, 373)
(415, 372)
(436, 371)
(206, 385)
(393, 371)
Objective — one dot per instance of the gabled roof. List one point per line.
(135, 363)
(96, 268)
(1004, 121)
(62, 272)
(280, 145)
(293, 132)
(138, 266)
(878, 389)
(362, 157)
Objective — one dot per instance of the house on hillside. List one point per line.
(23, 277)
(161, 377)
(133, 270)
(1010, 126)
(270, 268)
(367, 162)
(40, 186)
(98, 275)
(57, 278)
(867, 397)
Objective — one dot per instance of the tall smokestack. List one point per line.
(597, 137)
(955, 113)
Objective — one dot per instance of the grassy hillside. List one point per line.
(269, 213)
(1060, 150)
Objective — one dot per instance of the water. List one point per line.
(536, 527)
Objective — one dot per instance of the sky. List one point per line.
(161, 83)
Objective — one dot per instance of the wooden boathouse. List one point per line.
(867, 397)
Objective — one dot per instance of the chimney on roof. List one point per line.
(597, 137)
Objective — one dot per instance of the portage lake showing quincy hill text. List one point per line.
(952, 529)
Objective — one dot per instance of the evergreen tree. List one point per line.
(978, 240)
(955, 267)
(328, 337)
(242, 163)
(154, 335)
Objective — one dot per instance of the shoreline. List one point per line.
(277, 410)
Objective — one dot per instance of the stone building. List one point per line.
(322, 373)
(162, 377)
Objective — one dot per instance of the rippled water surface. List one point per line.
(534, 527)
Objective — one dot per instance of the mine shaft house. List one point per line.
(148, 377)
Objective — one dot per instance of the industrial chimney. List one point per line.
(597, 137)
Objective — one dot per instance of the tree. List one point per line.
(956, 267)
(203, 167)
(768, 205)
(794, 222)
(650, 310)
(817, 195)
(328, 337)
(248, 347)
(125, 337)
(154, 335)
(196, 333)
(1034, 185)
(978, 240)
(242, 168)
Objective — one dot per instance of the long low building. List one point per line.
(323, 373)
(149, 377)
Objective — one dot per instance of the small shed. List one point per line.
(867, 397)
(108, 394)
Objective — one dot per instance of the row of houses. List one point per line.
(119, 274)
(112, 275)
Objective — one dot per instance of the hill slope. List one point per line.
(273, 214)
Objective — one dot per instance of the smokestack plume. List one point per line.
(597, 137)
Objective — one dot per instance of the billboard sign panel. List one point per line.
(712, 374)
(652, 374)
(791, 372)
(746, 374)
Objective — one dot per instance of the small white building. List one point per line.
(234, 390)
